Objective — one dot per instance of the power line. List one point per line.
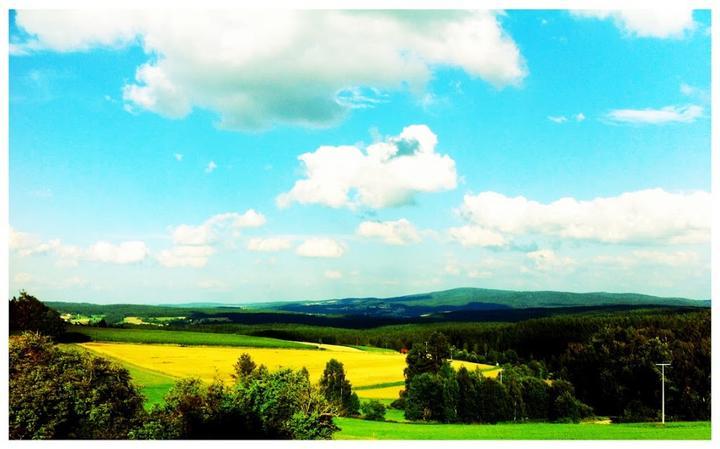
(662, 367)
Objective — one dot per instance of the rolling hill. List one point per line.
(477, 300)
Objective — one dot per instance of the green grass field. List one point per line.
(184, 338)
(359, 429)
(371, 348)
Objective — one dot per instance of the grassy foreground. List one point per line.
(159, 336)
(359, 429)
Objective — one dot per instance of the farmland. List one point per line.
(184, 338)
(356, 429)
(382, 372)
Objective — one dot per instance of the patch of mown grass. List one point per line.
(371, 348)
(359, 429)
(382, 385)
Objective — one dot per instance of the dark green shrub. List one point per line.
(373, 410)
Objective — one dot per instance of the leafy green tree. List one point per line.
(57, 394)
(495, 402)
(243, 368)
(433, 396)
(468, 406)
(426, 358)
(535, 397)
(423, 398)
(373, 410)
(616, 368)
(338, 390)
(287, 406)
(513, 384)
(27, 313)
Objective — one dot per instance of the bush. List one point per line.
(278, 405)
(399, 403)
(373, 410)
(57, 394)
(564, 406)
(569, 409)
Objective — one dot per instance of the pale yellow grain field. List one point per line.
(363, 368)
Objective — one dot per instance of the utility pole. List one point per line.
(662, 368)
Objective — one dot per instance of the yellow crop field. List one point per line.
(363, 368)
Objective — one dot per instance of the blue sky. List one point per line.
(155, 157)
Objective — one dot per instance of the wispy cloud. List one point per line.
(660, 23)
(560, 119)
(668, 114)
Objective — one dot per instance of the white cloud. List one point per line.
(387, 173)
(178, 157)
(185, 256)
(25, 245)
(399, 232)
(250, 219)
(191, 235)
(321, 247)
(237, 63)
(645, 216)
(211, 166)
(23, 278)
(333, 274)
(560, 119)
(270, 244)
(216, 227)
(660, 23)
(122, 253)
(476, 236)
(19, 241)
(668, 114)
(548, 260)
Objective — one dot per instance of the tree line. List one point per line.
(434, 391)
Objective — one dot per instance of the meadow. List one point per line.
(359, 429)
(160, 336)
(376, 374)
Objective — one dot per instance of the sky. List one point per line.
(238, 156)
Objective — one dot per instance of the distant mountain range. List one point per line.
(475, 300)
(459, 304)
